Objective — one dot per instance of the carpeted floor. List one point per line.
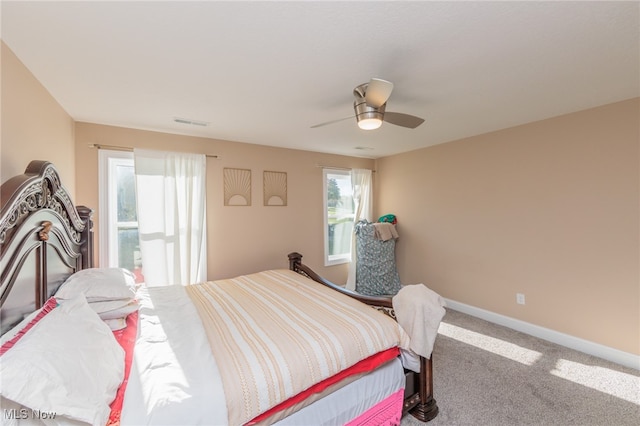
(486, 374)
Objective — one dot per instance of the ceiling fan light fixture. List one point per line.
(369, 123)
(369, 118)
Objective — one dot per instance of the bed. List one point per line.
(47, 245)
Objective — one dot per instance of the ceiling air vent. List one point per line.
(190, 122)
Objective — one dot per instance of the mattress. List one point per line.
(175, 379)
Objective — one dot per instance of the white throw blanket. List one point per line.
(419, 311)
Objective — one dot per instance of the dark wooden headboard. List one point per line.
(44, 238)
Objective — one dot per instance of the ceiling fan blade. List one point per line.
(332, 121)
(404, 120)
(378, 92)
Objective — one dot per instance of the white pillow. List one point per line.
(109, 305)
(99, 284)
(120, 312)
(68, 363)
(116, 323)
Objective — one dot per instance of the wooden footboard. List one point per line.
(418, 397)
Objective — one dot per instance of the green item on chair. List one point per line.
(391, 218)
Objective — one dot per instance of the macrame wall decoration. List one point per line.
(237, 187)
(275, 188)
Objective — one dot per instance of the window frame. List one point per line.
(329, 259)
(108, 160)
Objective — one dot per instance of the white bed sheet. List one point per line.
(352, 400)
(174, 378)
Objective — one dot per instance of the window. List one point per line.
(119, 245)
(338, 216)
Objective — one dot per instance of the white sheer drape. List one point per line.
(363, 199)
(171, 198)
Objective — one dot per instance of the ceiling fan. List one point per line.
(370, 104)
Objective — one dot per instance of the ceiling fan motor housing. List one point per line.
(368, 116)
(364, 111)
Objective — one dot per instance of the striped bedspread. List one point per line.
(275, 333)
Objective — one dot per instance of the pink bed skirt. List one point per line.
(387, 412)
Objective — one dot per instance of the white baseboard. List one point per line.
(591, 348)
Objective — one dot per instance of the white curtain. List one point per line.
(171, 198)
(363, 199)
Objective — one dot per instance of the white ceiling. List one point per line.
(264, 72)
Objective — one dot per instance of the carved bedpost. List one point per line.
(86, 215)
(295, 259)
(427, 408)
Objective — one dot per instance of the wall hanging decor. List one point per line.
(237, 187)
(275, 188)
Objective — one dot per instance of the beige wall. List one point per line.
(241, 239)
(549, 209)
(34, 126)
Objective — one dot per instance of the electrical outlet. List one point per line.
(520, 298)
